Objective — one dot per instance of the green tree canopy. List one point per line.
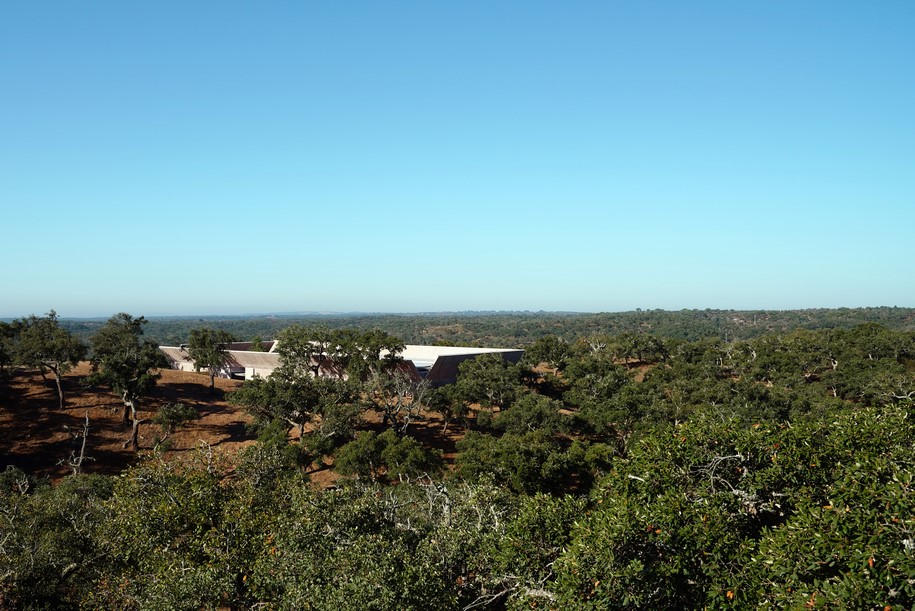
(300, 400)
(208, 348)
(43, 344)
(125, 361)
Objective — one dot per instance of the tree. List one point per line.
(171, 416)
(48, 550)
(398, 395)
(718, 514)
(362, 456)
(367, 354)
(399, 455)
(208, 349)
(448, 402)
(638, 347)
(339, 353)
(531, 412)
(302, 349)
(594, 378)
(43, 344)
(488, 379)
(299, 400)
(549, 349)
(528, 463)
(80, 436)
(126, 362)
(8, 334)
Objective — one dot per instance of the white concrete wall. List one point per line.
(251, 372)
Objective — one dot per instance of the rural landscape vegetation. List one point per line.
(650, 459)
(459, 306)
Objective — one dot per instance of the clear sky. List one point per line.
(192, 157)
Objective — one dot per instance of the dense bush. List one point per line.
(716, 513)
(371, 454)
(706, 514)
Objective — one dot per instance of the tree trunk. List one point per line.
(212, 381)
(133, 440)
(60, 390)
(77, 463)
(125, 416)
(161, 441)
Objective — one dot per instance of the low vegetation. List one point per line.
(606, 470)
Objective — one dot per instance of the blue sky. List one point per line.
(192, 158)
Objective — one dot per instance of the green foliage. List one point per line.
(367, 353)
(356, 354)
(489, 380)
(406, 456)
(637, 347)
(42, 343)
(531, 412)
(122, 359)
(524, 328)
(301, 400)
(272, 458)
(549, 349)
(172, 415)
(7, 337)
(169, 417)
(164, 539)
(208, 349)
(528, 463)
(410, 547)
(717, 513)
(360, 457)
(852, 544)
(397, 455)
(447, 401)
(48, 548)
(594, 378)
(706, 514)
(127, 363)
(522, 555)
(774, 471)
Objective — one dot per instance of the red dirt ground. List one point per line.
(34, 435)
(35, 438)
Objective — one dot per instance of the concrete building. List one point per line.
(438, 364)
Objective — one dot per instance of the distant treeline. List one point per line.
(523, 328)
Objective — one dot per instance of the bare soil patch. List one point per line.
(34, 433)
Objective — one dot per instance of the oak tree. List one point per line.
(42, 343)
(208, 348)
(124, 360)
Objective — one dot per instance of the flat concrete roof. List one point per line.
(425, 356)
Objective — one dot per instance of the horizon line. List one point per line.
(345, 313)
